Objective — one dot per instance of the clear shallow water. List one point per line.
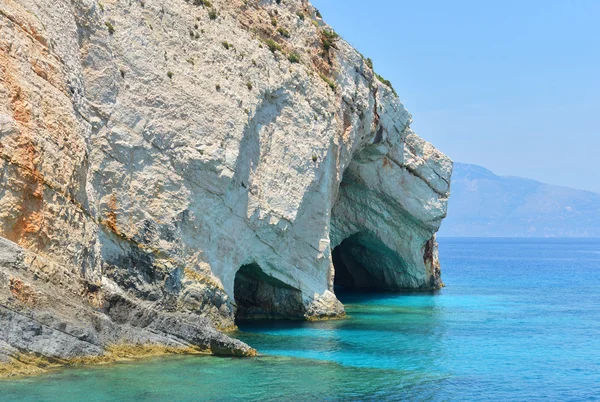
(518, 320)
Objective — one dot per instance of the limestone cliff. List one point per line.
(167, 167)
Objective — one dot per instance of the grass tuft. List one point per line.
(294, 58)
(283, 32)
(272, 45)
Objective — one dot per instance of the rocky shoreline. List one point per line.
(167, 169)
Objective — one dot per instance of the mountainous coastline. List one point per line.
(484, 204)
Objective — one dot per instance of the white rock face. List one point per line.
(153, 149)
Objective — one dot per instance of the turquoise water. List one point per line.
(518, 320)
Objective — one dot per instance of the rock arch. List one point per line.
(381, 233)
(363, 261)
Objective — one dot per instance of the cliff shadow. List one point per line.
(364, 262)
(260, 296)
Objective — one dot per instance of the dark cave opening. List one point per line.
(260, 296)
(363, 262)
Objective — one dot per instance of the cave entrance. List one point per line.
(363, 262)
(260, 296)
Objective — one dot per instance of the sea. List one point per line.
(518, 320)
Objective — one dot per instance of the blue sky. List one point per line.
(510, 85)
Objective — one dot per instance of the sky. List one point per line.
(513, 86)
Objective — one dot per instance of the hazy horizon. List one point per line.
(510, 86)
(523, 177)
(483, 204)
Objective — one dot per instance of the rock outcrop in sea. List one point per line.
(168, 167)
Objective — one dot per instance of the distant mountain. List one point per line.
(484, 204)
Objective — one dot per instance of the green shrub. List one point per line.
(301, 15)
(226, 45)
(318, 13)
(272, 45)
(212, 14)
(369, 63)
(122, 73)
(386, 82)
(328, 39)
(274, 21)
(249, 85)
(169, 74)
(218, 87)
(283, 32)
(294, 58)
(110, 27)
(331, 35)
(315, 158)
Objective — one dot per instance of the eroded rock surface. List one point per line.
(149, 150)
